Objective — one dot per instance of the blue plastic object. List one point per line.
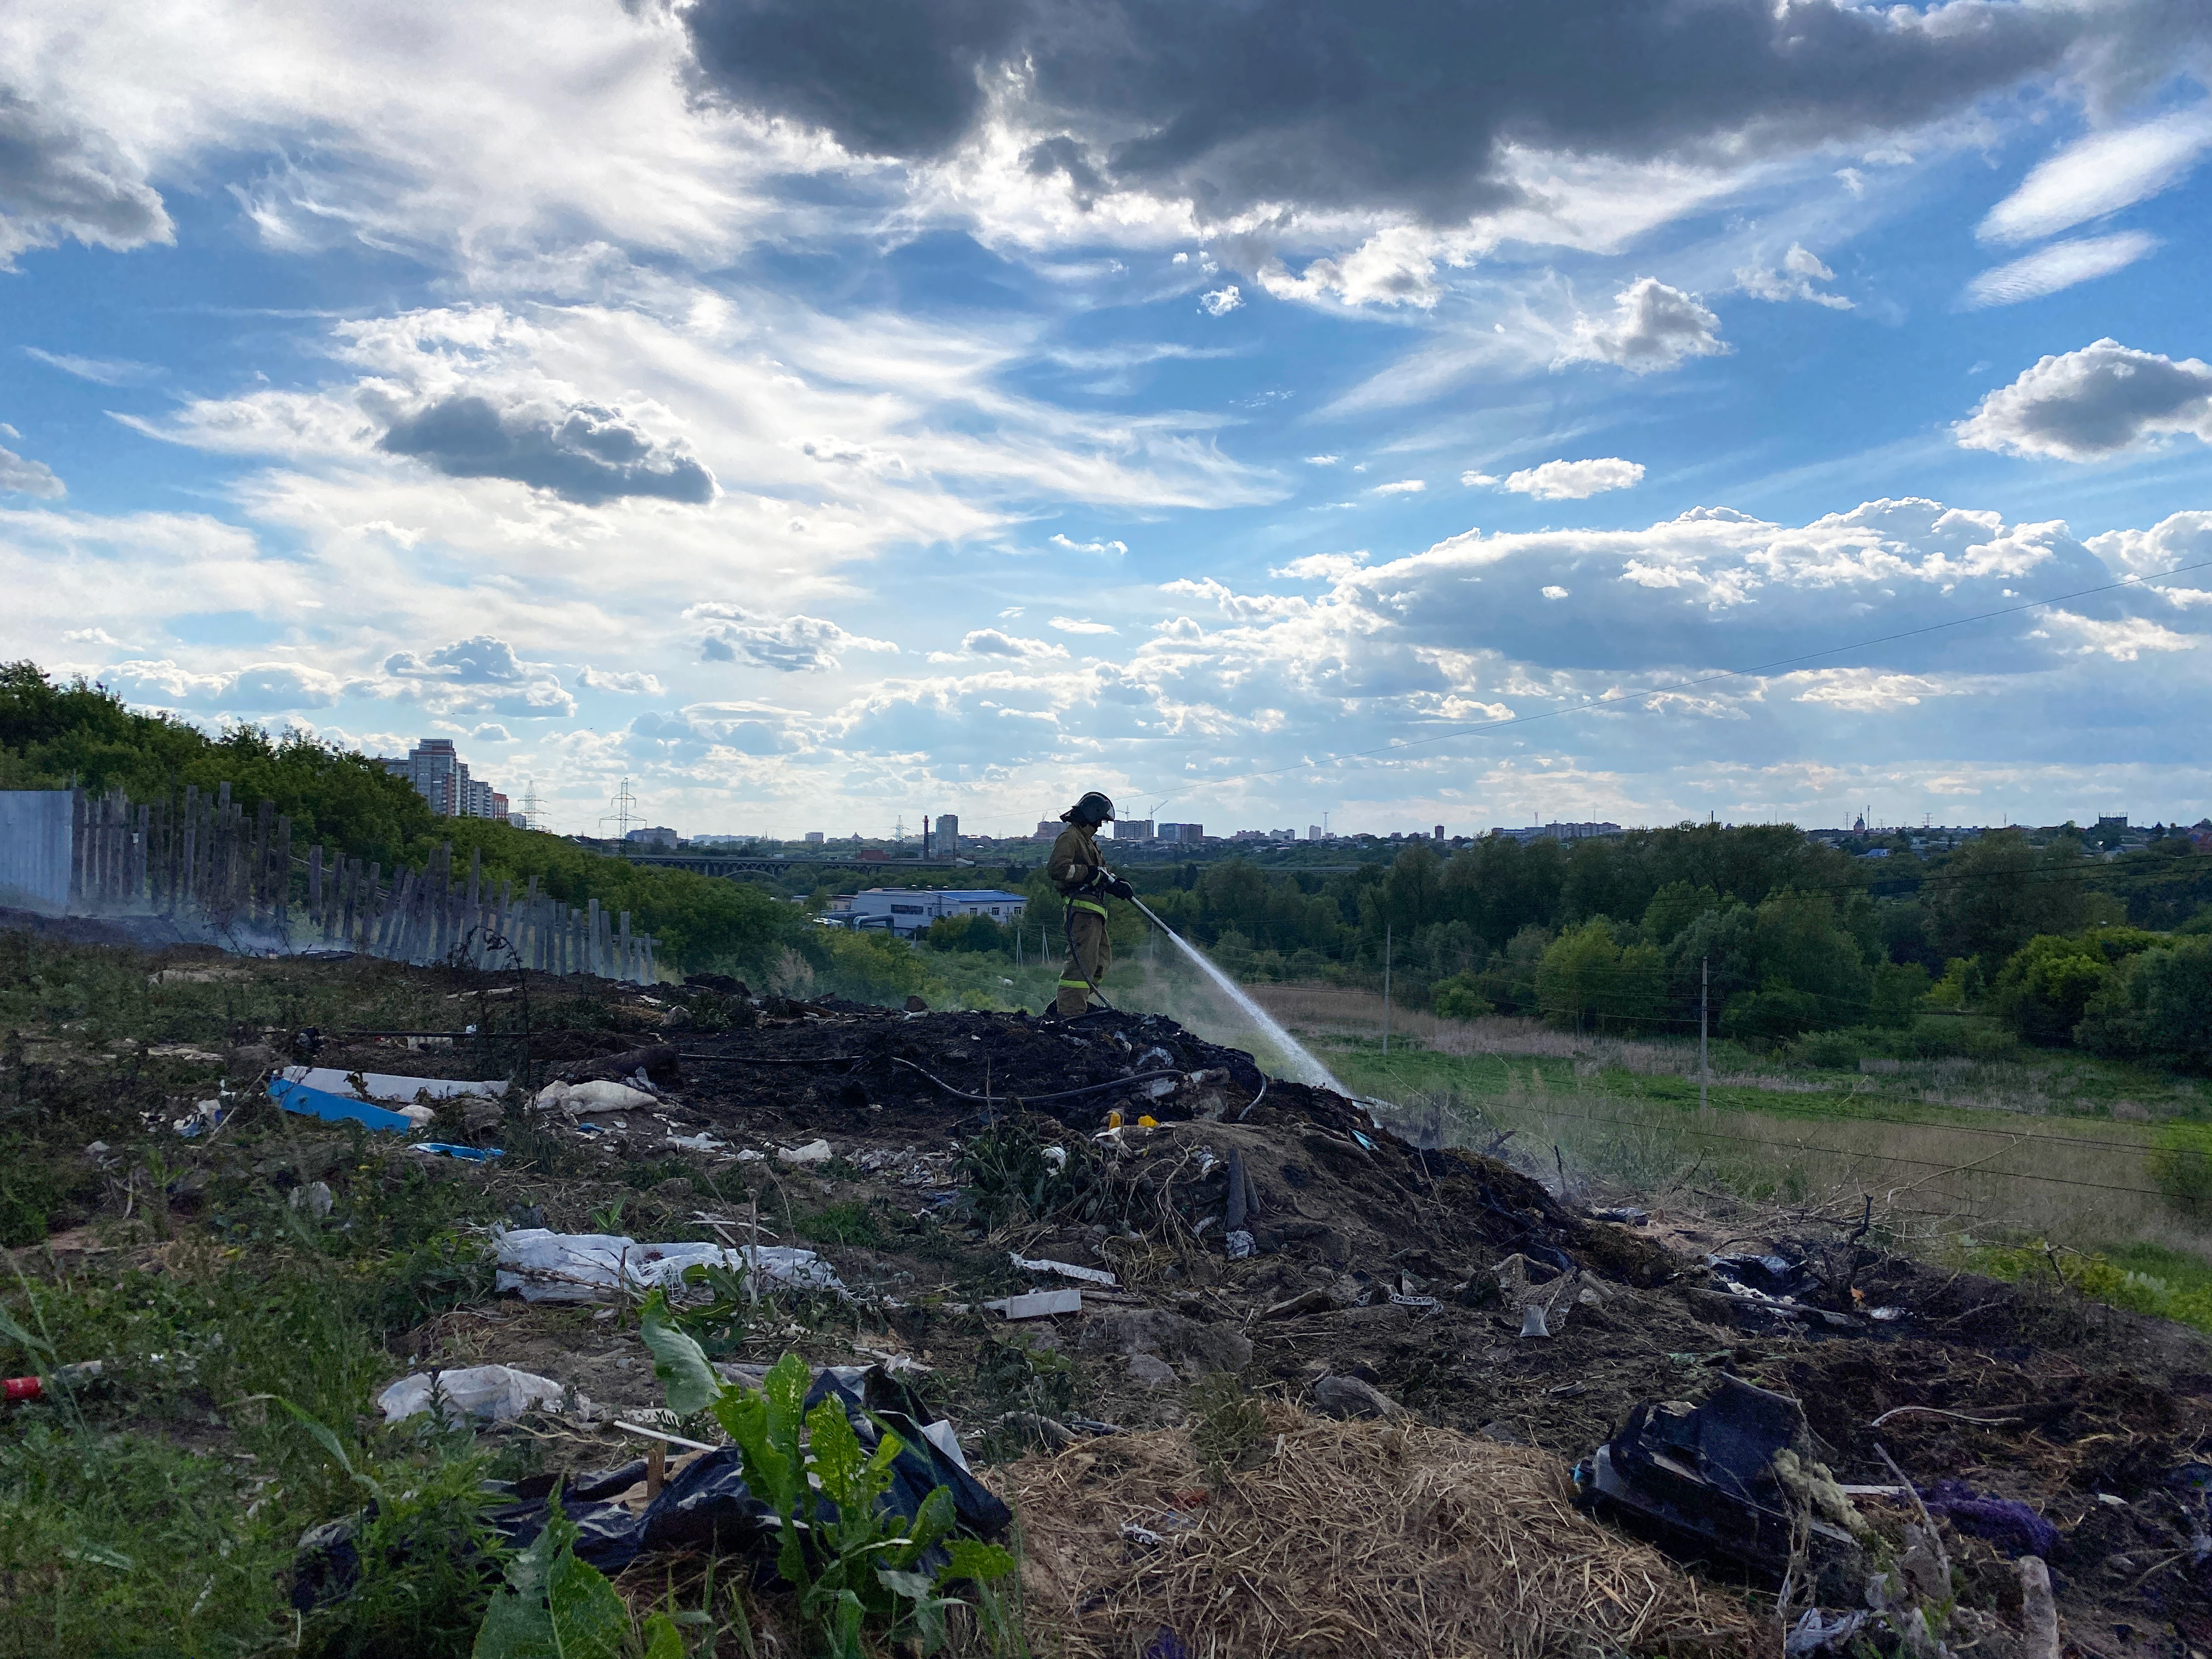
(318, 1102)
(474, 1154)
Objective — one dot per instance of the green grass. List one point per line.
(2145, 1278)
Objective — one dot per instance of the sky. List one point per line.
(823, 413)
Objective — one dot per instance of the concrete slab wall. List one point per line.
(34, 849)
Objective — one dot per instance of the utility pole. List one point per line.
(1705, 1002)
(1386, 990)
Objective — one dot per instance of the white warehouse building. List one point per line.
(911, 909)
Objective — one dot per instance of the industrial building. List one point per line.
(907, 911)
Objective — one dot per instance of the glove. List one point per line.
(1120, 889)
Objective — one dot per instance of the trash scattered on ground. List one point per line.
(344, 1109)
(550, 1267)
(815, 1151)
(1066, 1270)
(314, 1199)
(599, 1096)
(2009, 1524)
(703, 1502)
(446, 1148)
(1714, 1475)
(489, 1393)
(386, 1086)
(1349, 1397)
(1038, 1304)
(1627, 1214)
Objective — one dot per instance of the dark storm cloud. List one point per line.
(583, 453)
(59, 178)
(1347, 103)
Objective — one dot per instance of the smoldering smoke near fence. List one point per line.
(201, 862)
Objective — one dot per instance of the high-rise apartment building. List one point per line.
(441, 777)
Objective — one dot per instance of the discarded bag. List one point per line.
(388, 1086)
(705, 1504)
(550, 1267)
(1706, 1475)
(599, 1096)
(491, 1394)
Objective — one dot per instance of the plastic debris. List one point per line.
(1822, 1635)
(1627, 1214)
(205, 1115)
(550, 1267)
(1532, 1322)
(342, 1108)
(704, 1503)
(1065, 1269)
(314, 1198)
(388, 1086)
(1057, 1157)
(2009, 1524)
(814, 1151)
(446, 1148)
(1038, 1304)
(22, 1390)
(1734, 1475)
(598, 1096)
(489, 1393)
(1240, 1245)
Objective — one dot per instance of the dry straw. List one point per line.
(1348, 1539)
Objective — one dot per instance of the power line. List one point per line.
(1481, 727)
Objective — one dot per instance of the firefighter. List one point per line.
(1085, 883)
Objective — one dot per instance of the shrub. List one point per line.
(1458, 997)
(2047, 987)
(2157, 1003)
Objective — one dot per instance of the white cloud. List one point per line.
(1477, 480)
(795, 645)
(1221, 301)
(1323, 460)
(259, 688)
(1575, 480)
(1863, 690)
(1082, 625)
(2105, 399)
(1554, 593)
(1799, 271)
(1402, 487)
(2123, 640)
(2061, 265)
(992, 643)
(1322, 567)
(2100, 174)
(101, 371)
(1067, 545)
(1652, 327)
(27, 477)
(1395, 266)
(627, 683)
(492, 732)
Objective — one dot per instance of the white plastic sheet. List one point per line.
(1065, 1269)
(550, 1267)
(491, 1394)
(388, 1087)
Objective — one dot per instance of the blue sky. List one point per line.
(825, 414)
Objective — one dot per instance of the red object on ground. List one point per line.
(21, 1387)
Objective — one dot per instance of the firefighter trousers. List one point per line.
(1090, 955)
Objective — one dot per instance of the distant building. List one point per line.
(1557, 831)
(911, 909)
(945, 839)
(1439, 835)
(814, 838)
(659, 834)
(441, 777)
(872, 856)
(1132, 830)
(1180, 832)
(1046, 829)
(1313, 832)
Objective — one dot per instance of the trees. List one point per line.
(1998, 892)
(1586, 978)
(2047, 987)
(2158, 1001)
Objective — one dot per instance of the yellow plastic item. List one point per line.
(1113, 1120)
(1148, 1121)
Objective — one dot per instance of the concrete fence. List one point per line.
(202, 862)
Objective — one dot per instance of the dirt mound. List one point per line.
(1346, 1538)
